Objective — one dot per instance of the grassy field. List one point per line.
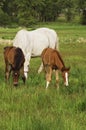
(31, 106)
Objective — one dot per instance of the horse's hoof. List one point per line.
(24, 79)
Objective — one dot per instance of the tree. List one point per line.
(50, 10)
(69, 9)
(9, 7)
(46, 11)
(82, 8)
(28, 12)
(4, 18)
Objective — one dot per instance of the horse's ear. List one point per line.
(68, 68)
(65, 69)
(62, 69)
(5, 47)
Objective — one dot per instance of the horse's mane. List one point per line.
(19, 58)
(57, 52)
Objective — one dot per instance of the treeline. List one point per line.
(26, 12)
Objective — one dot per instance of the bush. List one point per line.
(83, 17)
(4, 19)
(69, 14)
(27, 22)
(26, 19)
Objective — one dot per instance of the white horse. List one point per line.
(33, 42)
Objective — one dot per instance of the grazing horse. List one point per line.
(52, 61)
(14, 61)
(33, 42)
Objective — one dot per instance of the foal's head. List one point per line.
(15, 77)
(65, 73)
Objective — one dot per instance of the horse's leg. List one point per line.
(26, 64)
(57, 78)
(48, 75)
(22, 74)
(40, 68)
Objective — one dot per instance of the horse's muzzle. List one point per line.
(15, 84)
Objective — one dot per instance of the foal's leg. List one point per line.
(48, 76)
(40, 68)
(57, 78)
(7, 71)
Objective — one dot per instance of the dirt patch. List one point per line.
(6, 41)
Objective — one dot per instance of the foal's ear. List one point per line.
(65, 69)
(5, 47)
(68, 68)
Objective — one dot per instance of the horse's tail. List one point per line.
(53, 38)
(57, 43)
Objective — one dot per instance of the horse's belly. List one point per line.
(37, 51)
(39, 43)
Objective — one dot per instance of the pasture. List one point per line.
(31, 106)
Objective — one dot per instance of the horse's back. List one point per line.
(39, 41)
(42, 38)
(52, 37)
(33, 42)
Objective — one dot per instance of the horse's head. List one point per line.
(65, 73)
(15, 77)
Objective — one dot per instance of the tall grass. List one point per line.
(31, 106)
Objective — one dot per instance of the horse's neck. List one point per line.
(59, 62)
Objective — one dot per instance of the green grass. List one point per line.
(31, 106)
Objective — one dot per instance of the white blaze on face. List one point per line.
(66, 77)
(40, 68)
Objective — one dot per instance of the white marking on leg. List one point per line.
(47, 84)
(25, 73)
(66, 77)
(40, 68)
(26, 64)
